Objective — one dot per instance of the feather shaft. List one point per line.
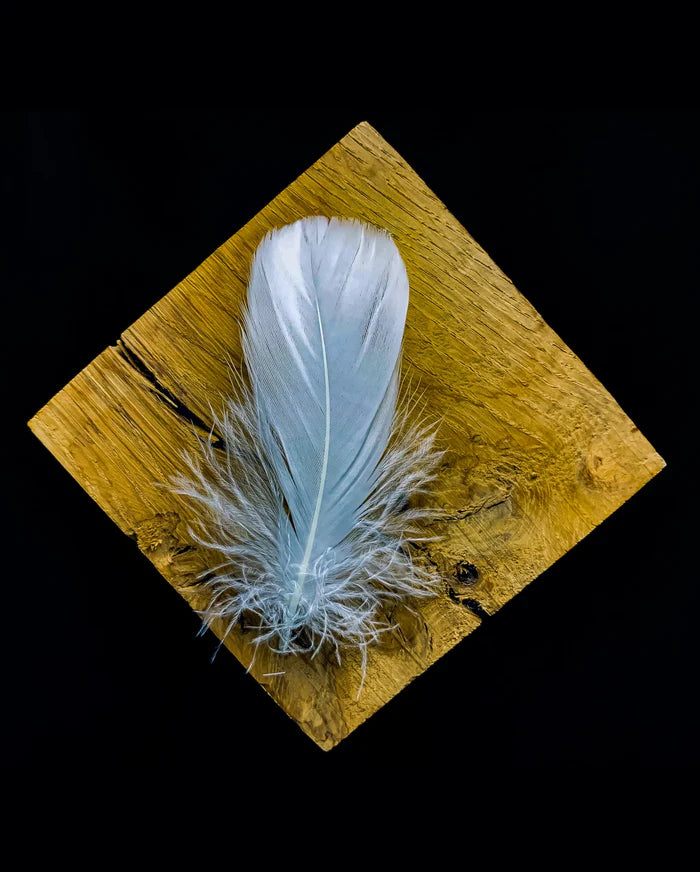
(296, 596)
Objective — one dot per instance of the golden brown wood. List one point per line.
(539, 452)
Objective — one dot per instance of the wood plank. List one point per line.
(539, 453)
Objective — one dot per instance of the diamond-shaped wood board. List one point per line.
(539, 453)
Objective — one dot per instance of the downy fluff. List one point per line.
(309, 504)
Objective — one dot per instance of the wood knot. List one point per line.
(599, 468)
(466, 572)
(181, 562)
(152, 533)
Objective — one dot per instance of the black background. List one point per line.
(593, 216)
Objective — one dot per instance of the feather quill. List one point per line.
(309, 505)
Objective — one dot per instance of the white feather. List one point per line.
(308, 503)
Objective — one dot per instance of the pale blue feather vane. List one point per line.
(310, 507)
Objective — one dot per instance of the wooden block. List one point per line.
(539, 453)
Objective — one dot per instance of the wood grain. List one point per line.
(539, 453)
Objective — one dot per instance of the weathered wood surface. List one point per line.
(539, 452)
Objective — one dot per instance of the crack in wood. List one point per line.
(155, 386)
(470, 603)
(470, 511)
